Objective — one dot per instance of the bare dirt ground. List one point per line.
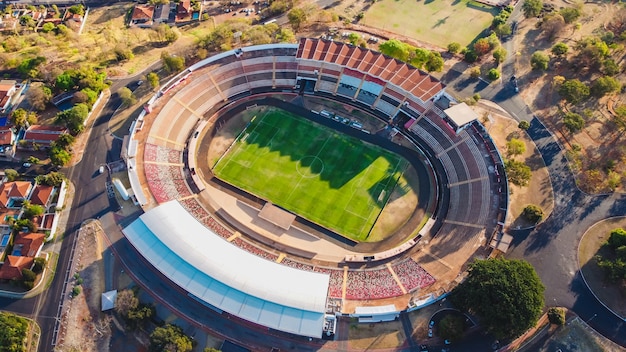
(367, 337)
(590, 246)
(84, 327)
(600, 141)
(539, 190)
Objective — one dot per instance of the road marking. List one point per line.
(467, 181)
(464, 224)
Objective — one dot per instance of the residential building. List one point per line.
(13, 266)
(28, 244)
(41, 137)
(41, 195)
(13, 193)
(7, 90)
(7, 143)
(142, 16)
(161, 13)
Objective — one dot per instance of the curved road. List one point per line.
(552, 248)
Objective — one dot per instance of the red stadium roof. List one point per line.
(364, 61)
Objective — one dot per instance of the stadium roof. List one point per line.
(227, 277)
(378, 66)
(461, 114)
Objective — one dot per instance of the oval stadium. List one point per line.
(288, 184)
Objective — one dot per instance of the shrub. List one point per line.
(28, 275)
(556, 315)
(454, 47)
(533, 213)
(539, 61)
(40, 263)
(524, 125)
(493, 74)
(28, 284)
(76, 291)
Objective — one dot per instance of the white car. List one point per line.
(101, 169)
(27, 165)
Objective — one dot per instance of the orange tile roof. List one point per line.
(6, 136)
(41, 195)
(371, 63)
(15, 189)
(142, 13)
(29, 243)
(12, 267)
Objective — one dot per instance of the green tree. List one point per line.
(605, 85)
(559, 49)
(13, 330)
(470, 56)
(165, 34)
(451, 327)
(499, 55)
(493, 74)
(533, 213)
(454, 47)
(125, 302)
(77, 9)
(153, 79)
(172, 63)
(65, 81)
(517, 172)
(574, 91)
(127, 96)
(28, 275)
(532, 8)
(434, 63)
(22, 118)
(47, 27)
(515, 147)
(475, 72)
(617, 238)
(524, 125)
(539, 61)
(59, 156)
(51, 179)
(11, 174)
(169, 338)
(74, 118)
(395, 49)
(502, 30)
(138, 317)
(570, 14)
(610, 67)
(32, 210)
(556, 315)
(573, 122)
(507, 295)
(39, 264)
(297, 18)
(123, 53)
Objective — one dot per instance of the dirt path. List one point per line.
(84, 327)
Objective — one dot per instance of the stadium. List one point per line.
(289, 184)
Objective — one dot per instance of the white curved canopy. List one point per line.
(228, 277)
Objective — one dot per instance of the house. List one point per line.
(41, 195)
(40, 136)
(7, 23)
(8, 217)
(28, 244)
(13, 266)
(183, 11)
(7, 143)
(12, 192)
(45, 222)
(142, 16)
(7, 90)
(161, 13)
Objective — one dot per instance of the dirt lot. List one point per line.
(84, 327)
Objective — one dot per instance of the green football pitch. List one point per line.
(332, 179)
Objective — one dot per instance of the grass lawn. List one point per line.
(332, 179)
(437, 22)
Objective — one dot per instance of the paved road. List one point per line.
(552, 246)
(90, 201)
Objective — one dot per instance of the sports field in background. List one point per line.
(332, 179)
(438, 22)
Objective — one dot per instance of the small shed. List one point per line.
(460, 116)
(108, 300)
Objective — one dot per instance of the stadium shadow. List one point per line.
(345, 164)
